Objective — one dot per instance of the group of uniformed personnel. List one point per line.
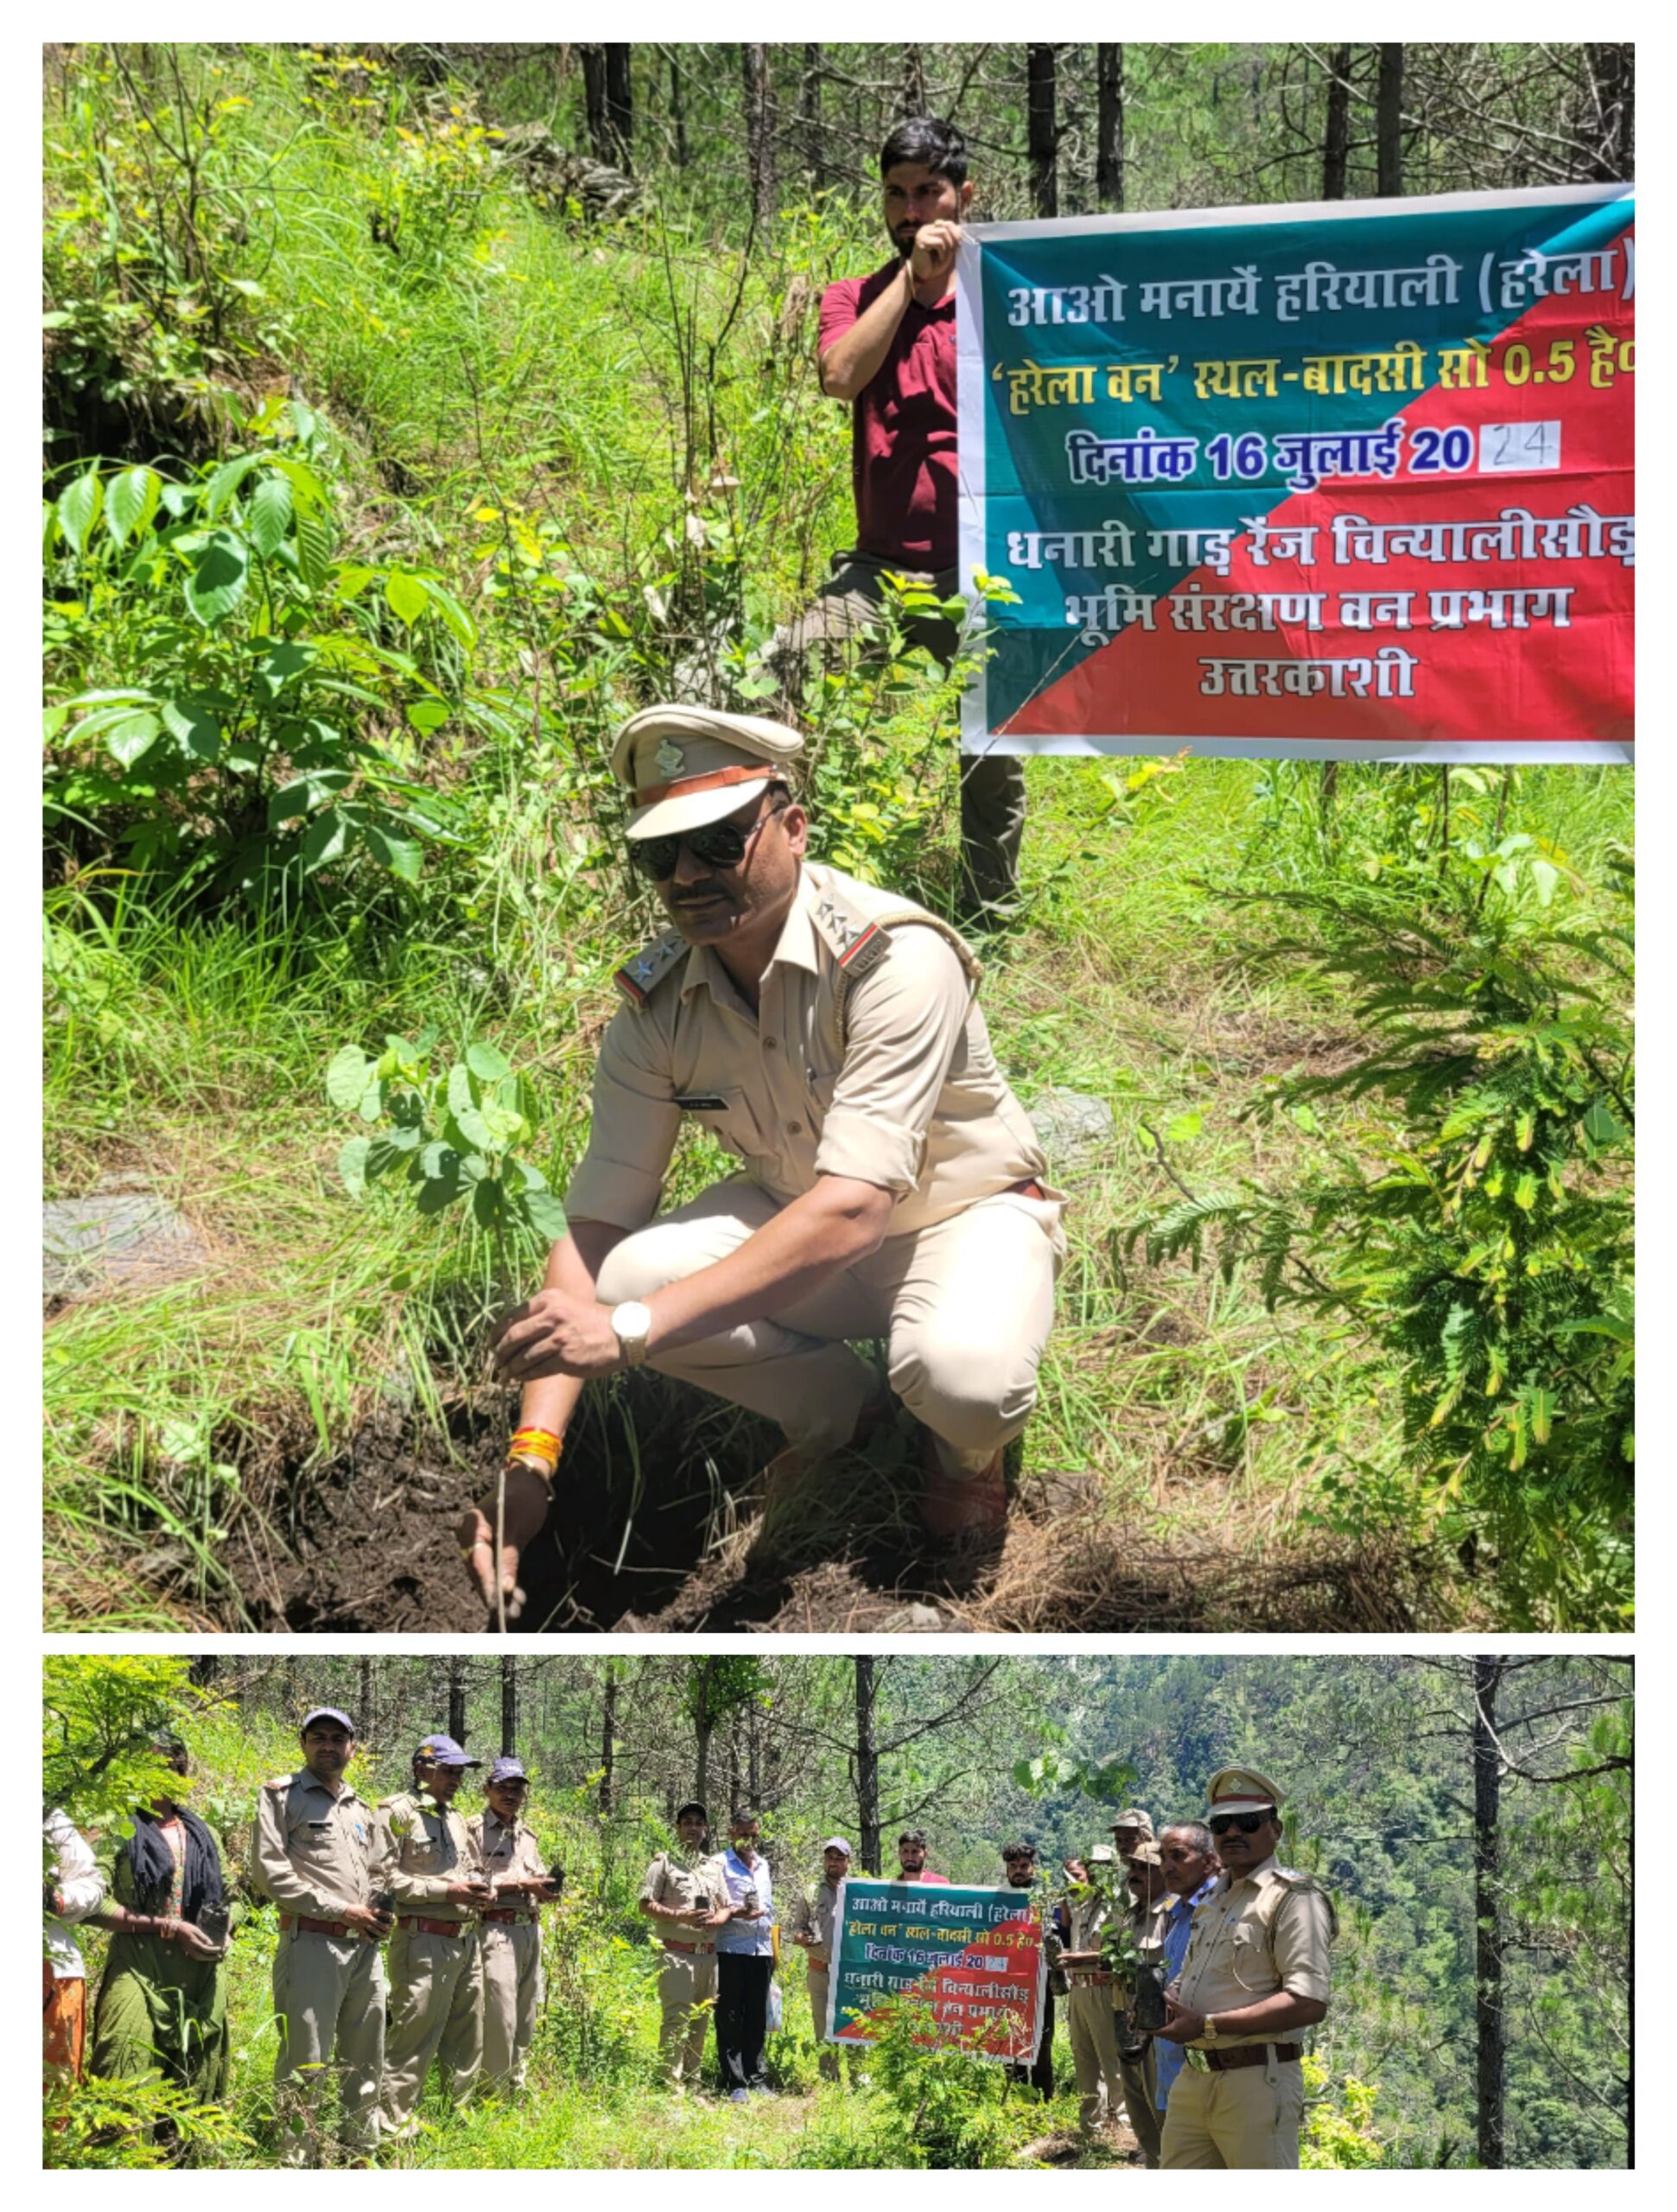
(459, 1900)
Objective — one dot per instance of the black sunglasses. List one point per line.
(719, 844)
(1248, 1823)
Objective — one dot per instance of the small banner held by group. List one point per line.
(975, 1956)
(1346, 481)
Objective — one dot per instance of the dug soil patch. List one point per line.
(658, 1526)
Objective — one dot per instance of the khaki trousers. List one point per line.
(329, 1998)
(965, 1307)
(687, 1997)
(1095, 2051)
(820, 1983)
(512, 1999)
(845, 610)
(436, 2012)
(1249, 2120)
(1141, 2079)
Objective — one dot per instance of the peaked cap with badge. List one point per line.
(1240, 1789)
(686, 766)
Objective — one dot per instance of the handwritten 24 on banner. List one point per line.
(1317, 481)
(975, 1956)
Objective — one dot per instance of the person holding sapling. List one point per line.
(436, 1871)
(684, 1896)
(744, 1960)
(810, 1927)
(510, 1932)
(162, 2004)
(1095, 1902)
(315, 1856)
(1256, 1975)
(1134, 1945)
(825, 1031)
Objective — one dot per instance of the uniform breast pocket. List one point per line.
(731, 1119)
(313, 1840)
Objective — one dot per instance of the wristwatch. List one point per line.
(1209, 2032)
(631, 1325)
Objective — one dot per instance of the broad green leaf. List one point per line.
(305, 793)
(486, 1203)
(1603, 1126)
(439, 1159)
(505, 1128)
(314, 548)
(78, 505)
(437, 1192)
(488, 1064)
(454, 616)
(270, 515)
(217, 583)
(428, 716)
(405, 595)
(461, 1096)
(226, 480)
(402, 856)
(545, 1214)
(132, 502)
(1545, 876)
(352, 1163)
(197, 733)
(324, 839)
(1525, 1193)
(135, 734)
(475, 1130)
(1184, 1127)
(346, 1078)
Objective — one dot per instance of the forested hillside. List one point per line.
(1470, 1817)
(414, 414)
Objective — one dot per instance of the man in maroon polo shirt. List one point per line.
(886, 347)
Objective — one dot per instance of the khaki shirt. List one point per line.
(686, 1889)
(1091, 1916)
(315, 1853)
(426, 1848)
(887, 1076)
(507, 1854)
(813, 1912)
(1267, 1931)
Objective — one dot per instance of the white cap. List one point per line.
(691, 765)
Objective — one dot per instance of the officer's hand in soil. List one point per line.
(526, 1508)
(552, 1334)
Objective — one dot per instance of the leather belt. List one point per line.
(693, 1950)
(314, 1927)
(1087, 1977)
(511, 1919)
(435, 1927)
(1250, 2053)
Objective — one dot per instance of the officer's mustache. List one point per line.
(711, 887)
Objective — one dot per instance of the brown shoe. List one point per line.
(961, 1505)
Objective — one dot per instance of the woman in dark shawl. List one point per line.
(162, 2004)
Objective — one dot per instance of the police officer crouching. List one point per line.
(1256, 1975)
(431, 1866)
(827, 1033)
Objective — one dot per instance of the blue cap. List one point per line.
(508, 1770)
(325, 1712)
(443, 1750)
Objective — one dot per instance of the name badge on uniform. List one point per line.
(703, 1102)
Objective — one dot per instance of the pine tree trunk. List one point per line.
(509, 1704)
(608, 1738)
(1389, 123)
(457, 1699)
(1613, 73)
(760, 139)
(808, 119)
(620, 107)
(1336, 147)
(1488, 2019)
(914, 80)
(364, 1725)
(677, 113)
(1109, 129)
(1041, 129)
(593, 100)
(867, 1766)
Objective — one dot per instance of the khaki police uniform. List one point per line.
(435, 1966)
(867, 1057)
(1254, 1934)
(813, 1911)
(313, 1854)
(510, 1940)
(686, 1975)
(1089, 2011)
(1138, 2066)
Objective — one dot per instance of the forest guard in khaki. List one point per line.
(430, 1863)
(827, 1034)
(315, 1853)
(685, 1881)
(1138, 2068)
(809, 1927)
(1256, 1975)
(509, 1930)
(1092, 2023)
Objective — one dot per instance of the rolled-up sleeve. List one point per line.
(903, 1022)
(634, 1131)
(1301, 1937)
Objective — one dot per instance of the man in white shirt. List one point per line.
(78, 1891)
